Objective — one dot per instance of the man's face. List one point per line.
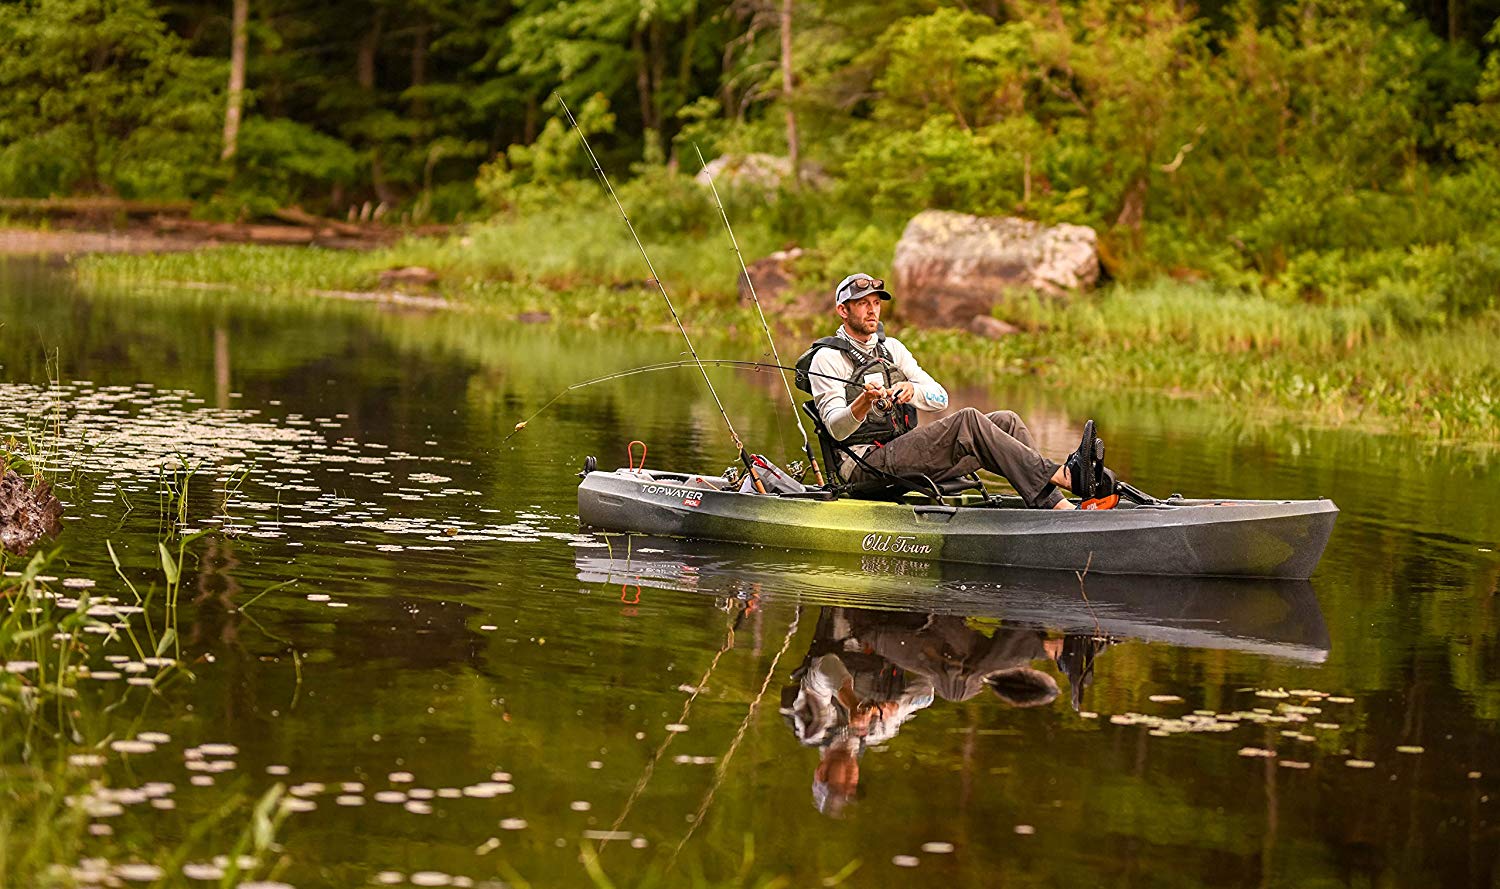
(861, 315)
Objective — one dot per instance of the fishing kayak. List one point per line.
(1182, 537)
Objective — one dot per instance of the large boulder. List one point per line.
(764, 172)
(772, 276)
(951, 267)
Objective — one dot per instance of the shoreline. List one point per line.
(1165, 340)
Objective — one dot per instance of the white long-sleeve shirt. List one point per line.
(833, 406)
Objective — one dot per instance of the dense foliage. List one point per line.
(1326, 149)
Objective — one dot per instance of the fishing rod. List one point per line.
(599, 170)
(750, 284)
(665, 365)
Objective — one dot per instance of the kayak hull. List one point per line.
(1198, 538)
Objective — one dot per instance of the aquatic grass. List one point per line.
(1349, 361)
(1328, 365)
(173, 488)
(50, 732)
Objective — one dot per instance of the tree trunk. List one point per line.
(786, 92)
(419, 68)
(369, 47)
(529, 125)
(365, 62)
(643, 81)
(655, 138)
(238, 42)
(642, 75)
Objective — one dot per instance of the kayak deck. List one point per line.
(1244, 538)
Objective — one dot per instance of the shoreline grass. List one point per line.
(1329, 364)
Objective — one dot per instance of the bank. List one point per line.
(1319, 365)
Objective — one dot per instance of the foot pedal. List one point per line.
(1109, 502)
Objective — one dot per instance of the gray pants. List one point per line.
(963, 442)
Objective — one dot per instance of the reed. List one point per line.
(1379, 356)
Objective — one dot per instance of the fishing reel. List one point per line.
(732, 476)
(797, 470)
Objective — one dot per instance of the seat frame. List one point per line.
(886, 485)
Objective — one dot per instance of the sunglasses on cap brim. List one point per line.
(858, 287)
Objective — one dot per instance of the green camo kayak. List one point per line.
(1199, 538)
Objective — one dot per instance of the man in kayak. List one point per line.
(868, 389)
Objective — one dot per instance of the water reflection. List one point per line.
(868, 672)
(435, 629)
(1269, 617)
(955, 633)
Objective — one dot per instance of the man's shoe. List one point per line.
(1086, 467)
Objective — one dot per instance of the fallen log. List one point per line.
(236, 232)
(95, 206)
(299, 216)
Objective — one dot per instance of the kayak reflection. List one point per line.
(1276, 618)
(893, 637)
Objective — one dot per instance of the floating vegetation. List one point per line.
(125, 443)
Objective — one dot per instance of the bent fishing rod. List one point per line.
(599, 170)
(750, 285)
(695, 361)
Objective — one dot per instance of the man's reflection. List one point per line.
(867, 672)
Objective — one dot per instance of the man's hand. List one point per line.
(860, 407)
(903, 392)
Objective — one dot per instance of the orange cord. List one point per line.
(630, 455)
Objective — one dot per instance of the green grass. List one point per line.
(1368, 362)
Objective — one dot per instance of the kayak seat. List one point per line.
(886, 486)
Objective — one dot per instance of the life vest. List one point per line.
(878, 427)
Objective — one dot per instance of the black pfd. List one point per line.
(879, 426)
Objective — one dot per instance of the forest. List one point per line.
(1328, 144)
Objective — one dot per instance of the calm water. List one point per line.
(462, 688)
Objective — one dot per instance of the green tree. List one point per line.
(98, 96)
(1474, 127)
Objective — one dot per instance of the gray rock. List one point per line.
(950, 267)
(990, 327)
(408, 276)
(771, 275)
(760, 171)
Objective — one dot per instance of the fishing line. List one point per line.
(599, 170)
(750, 284)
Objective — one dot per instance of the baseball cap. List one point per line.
(848, 288)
